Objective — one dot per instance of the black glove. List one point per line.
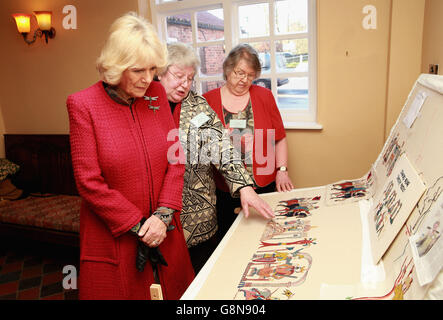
(145, 253)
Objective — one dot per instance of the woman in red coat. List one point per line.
(131, 194)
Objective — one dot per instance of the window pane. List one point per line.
(211, 58)
(292, 93)
(263, 82)
(263, 49)
(291, 16)
(209, 85)
(179, 28)
(254, 20)
(286, 72)
(210, 25)
(292, 55)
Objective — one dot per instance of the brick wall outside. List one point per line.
(211, 57)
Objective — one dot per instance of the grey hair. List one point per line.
(182, 55)
(245, 52)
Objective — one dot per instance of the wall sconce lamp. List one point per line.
(44, 22)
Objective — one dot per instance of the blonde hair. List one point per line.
(132, 40)
(182, 55)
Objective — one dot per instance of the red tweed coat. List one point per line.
(122, 174)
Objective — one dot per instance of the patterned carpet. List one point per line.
(34, 271)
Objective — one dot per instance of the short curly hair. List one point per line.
(183, 55)
(242, 51)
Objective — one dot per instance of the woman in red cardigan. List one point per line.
(131, 194)
(252, 116)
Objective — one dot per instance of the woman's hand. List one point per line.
(249, 197)
(283, 182)
(152, 232)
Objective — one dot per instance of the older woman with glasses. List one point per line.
(251, 114)
(205, 144)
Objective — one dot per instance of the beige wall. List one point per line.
(352, 64)
(405, 57)
(433, 35)
(37, 78)
(361, 82)
(364, 77)
(2, 131)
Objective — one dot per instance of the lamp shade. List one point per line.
(23, 22)
(43, 19)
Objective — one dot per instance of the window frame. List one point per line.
(292, 119)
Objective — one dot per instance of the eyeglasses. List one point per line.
(241, 75)
(183, 79)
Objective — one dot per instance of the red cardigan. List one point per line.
(266, 116)
(122, 174)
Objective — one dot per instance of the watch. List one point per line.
(282, 168)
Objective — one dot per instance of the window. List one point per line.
(282, 31)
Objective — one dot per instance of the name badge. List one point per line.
(238, 124)
(199, 119)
